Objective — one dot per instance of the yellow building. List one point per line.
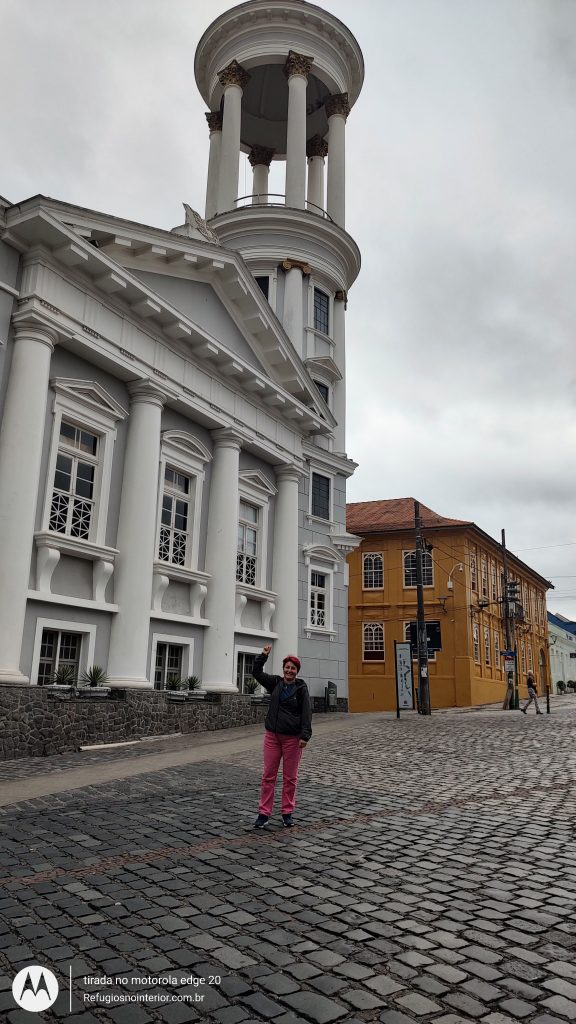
(462, 576)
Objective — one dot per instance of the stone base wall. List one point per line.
(33, 723)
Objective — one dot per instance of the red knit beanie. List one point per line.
(294, 659)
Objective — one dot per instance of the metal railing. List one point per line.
(264, 199)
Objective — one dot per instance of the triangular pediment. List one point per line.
(89, 394)
(152, 273)
(253, 478)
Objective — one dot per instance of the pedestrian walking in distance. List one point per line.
(532, 695)
(288, 728)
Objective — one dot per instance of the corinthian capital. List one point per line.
(337, 104)
(234, 74)
(297, 64)
(260, 155)
(214, 119)
(316, 146)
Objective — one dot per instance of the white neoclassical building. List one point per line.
(562, 644)
(172, 453)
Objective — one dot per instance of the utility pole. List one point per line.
(423, 681)
(511, 700)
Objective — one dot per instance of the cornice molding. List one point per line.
(258, 30)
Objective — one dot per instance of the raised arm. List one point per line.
(265, 680)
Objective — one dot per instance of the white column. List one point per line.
(337, 110)
(21, 438)
(296, 68)
(260, 158)
(293, 316)
(136, 539)
(316, 150)
(219, 671)
(233, 79)
(214, 119)
(339, 389)
(285, 564)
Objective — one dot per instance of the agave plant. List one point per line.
(174, 682)
(95, 676)
(65, 676)
(250, 686)
(191, 683)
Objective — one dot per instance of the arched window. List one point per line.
(372, 571)
(372, 641)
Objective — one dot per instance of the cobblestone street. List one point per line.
(432, 877)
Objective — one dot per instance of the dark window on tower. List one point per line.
(321, 310)
(320, 496)
(323, 389)
(263, 284)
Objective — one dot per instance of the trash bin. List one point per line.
(331, 697)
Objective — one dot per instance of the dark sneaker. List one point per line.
(523, 710)
(261, 821)
(288, 821)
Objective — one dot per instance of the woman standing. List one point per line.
(288, 728)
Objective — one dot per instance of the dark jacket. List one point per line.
(291, 717)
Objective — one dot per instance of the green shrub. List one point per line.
(65, 676)
(95, 676)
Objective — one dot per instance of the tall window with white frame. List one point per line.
(487, 656)
(484, 575)
(59, 656)
(321, 312)
(168, 665)
(476, 641)
(372, 641)
(72, 503)
(473, 571)
(410, 569)
(247, 554)
(244, 679)
(497, 648)
(318, 599)
(320, 502)
(176, 517)
(493, 581)
(372, 570)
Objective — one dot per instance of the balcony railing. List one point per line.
(279, 199)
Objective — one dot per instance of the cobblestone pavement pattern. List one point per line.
(432, 877)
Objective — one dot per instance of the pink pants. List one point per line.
(276, 747)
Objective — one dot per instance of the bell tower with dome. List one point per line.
(280, 80)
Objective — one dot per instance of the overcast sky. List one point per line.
(461, 171)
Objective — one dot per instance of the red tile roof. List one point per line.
(393, 514)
